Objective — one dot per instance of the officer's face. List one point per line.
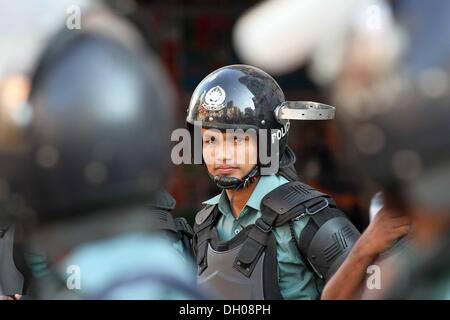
(229, 154)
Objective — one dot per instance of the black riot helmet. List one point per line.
(101, 107)
(245, 97)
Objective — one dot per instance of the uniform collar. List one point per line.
(264, 186)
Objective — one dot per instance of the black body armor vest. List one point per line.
(245, 267)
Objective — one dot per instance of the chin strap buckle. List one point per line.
(236, 183)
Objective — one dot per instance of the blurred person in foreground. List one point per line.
(398, 130)
(100, 103)
(26, 28)
(418, 151)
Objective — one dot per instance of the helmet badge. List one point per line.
(214, 99)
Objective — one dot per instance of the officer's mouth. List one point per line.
(225, 169)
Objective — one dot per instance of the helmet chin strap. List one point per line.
(225, 182)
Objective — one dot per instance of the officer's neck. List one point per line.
(238, 198)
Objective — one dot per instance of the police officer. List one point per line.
(101, 102)
(266, 236)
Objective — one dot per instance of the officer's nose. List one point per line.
(224, 152)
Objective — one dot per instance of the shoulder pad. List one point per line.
(164, 201)
(161, 220)
(4, 226)
(203, 214)
(289, 195)
(330, 245)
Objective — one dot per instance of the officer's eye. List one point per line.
(240, 140)
(210, 140)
